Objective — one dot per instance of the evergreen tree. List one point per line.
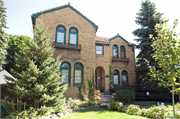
(147, 18)
(37, 82)
(3, 35)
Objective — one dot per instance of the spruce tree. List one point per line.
(38, 83)
(3, 35)
(147, 18)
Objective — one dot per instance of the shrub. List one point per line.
(72, 103)
(133, 110)
(117, 106)
(33, 112)
(125, 96)
(177, 106)
(158, 112)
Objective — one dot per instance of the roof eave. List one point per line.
(65, 6)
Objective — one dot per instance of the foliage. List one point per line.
(125, 96)
(38, 84)
(33, 113)
(71, 103)
(116, 106)
(158, 112)
(91, 85)
(14, 44)
(166, 52)
(147, 17)
(133, 110)
(178, 106)
(97, 95)
(81, 89)
(3, 35)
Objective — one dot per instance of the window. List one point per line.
(124, 78)
(115, 51)
(73, 36)
(60, 34)
(123, 52)
(78, 74)
(99, 50)
(116, 77)
(66, 72)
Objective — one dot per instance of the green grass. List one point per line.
(100, 113)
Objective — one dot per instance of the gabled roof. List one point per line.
(101, 39)
(36, 15)
(129, 43)
(2, 76)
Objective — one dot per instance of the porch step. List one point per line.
(105, 98)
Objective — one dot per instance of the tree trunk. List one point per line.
(173, 94)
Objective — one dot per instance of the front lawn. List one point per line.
(100, 113)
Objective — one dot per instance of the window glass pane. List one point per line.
(78, 66)
(124, 78)
(122, 54)
(77, 76)
(115, 52)
(122, 47)
(73, 30)
(115, 78)
(72, 38)
(60, 37)
(124, 72)
(115, 72)
(65, 72)
(65, 65)
(99, 50)
(61, 28)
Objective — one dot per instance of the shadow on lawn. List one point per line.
(95, 109)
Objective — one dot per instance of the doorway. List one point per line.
(100, 79)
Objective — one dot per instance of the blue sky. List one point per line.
(111, 16)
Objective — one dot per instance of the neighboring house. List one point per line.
(82, 52)
(2, 76)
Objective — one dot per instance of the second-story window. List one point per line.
(60, 34)
(115, 51)
(73, 36)
(99, 49)
(123, 52)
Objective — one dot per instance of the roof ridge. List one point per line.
(67, 5)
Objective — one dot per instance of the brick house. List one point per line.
(73, 36)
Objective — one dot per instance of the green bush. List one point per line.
(34, 113)
(133, 110)
(71, 103)
(125, 96)
(117, 106)
(158, 112)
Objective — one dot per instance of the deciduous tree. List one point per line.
(166, 47)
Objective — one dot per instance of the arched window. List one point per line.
(66, 72)
(124, 77)
(60, 34)
(115, 51)
(116, 77)
(123, 52)
(73, 36)
(78, 74)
